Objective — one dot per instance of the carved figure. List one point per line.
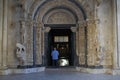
(21, 54)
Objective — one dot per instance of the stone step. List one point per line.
(61, 69)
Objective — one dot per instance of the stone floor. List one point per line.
(56, 74)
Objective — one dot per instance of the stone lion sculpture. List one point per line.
(21, 54)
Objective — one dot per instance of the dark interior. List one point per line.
(62, 40)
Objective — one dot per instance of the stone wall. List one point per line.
(105, 32)
(13, 33)
(99, 37)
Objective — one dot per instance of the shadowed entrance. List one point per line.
(62, 40)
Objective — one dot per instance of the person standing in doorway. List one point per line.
(55, 55)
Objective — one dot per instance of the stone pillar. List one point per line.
(82, 48)
(115, 35)
(118, 30)
(74, 44)
(34, 43)
(1, 29)
(39, 43)
(29, 43)
(45, 43)
(3, 33)
(92, 42)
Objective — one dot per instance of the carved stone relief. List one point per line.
(61, 18)
(21, 54)
(29, 43)
(81, 46)
(92, 42)
(38, 45)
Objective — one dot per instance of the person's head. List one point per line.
(54, 48)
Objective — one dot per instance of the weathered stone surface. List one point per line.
(94, 29)
(1, 28)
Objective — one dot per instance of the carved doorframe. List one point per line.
(74, 57)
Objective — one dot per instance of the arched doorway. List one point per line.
(60, 21)
(61, 37)
(61, 17)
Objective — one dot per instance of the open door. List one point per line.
(61, 39)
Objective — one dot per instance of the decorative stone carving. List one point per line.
(22, 32)
(47, 29)
(61, 17)
(29, 42)
(54, 4)
(73, 29)
(92, 42)
(82, 23)
(21, 54)
(82, 58)
(100, 55)
(92, 21)
(81, 42)
(38, 44)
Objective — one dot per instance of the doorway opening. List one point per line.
(62, 39)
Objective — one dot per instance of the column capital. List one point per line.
(47, 29)
(92, 21)
(82, 23)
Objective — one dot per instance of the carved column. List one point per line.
(45, 42)
(92, 42)
(3, 33)
(116, 55)
(34, 43)
(82, 43)
(74, 45)
(29, 43)
(23, 32)
(39, 43)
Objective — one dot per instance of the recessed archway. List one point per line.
(60, 13)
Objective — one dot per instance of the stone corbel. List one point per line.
(73, 29)
(47, 29)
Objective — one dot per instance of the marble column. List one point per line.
(3, 35)
(118, 30)
(115, 55)
(1, 30)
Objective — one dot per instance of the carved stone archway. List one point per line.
(81, 13)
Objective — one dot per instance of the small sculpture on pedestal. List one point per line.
(21, 54)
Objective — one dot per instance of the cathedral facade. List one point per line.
(85, 32)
